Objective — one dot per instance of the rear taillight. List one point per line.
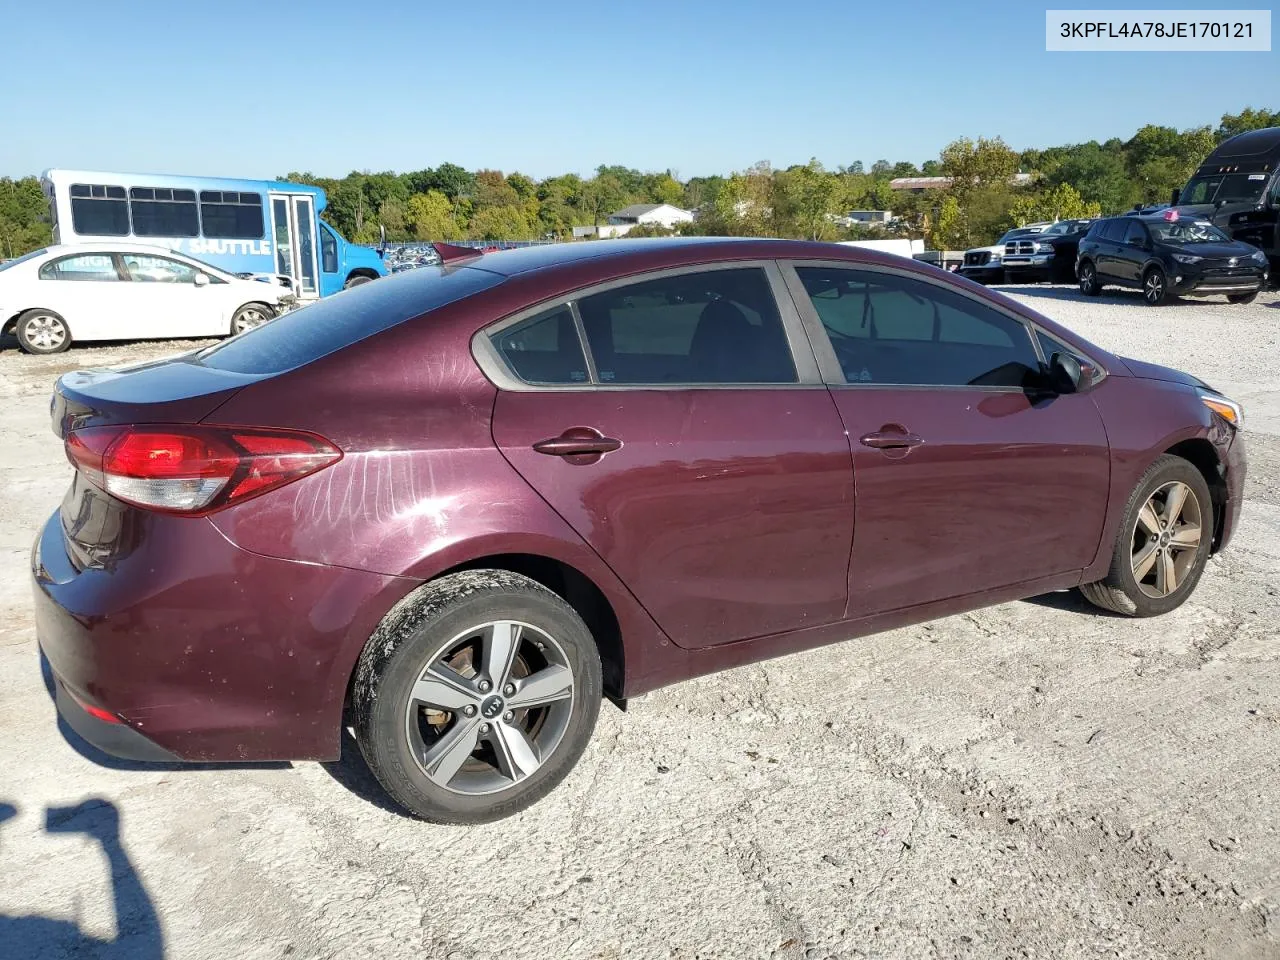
(194, 469)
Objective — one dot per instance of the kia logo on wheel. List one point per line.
(492, 707)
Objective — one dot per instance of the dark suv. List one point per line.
(1166, 256)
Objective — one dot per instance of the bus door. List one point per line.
(293, 227)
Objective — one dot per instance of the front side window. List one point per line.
(84, 266)
(544, 349)
(161, 212)
(230, 215)
(891, 329)
(709, 327)
(1135, 234)
(99, 210)
(1114, 230)
(147, 269)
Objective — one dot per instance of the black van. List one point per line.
(1238, 189)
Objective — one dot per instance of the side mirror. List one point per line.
(1065, 375)
(201, 280)
(382, 240)
(1173, 197)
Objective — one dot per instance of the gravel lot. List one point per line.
(1033, 780)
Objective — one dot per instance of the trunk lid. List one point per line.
(165, 391)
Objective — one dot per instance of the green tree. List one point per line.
(501, 223)
(805, 200)
(1161, 158)
(430, 216)
(973, 164)
(948, 231)
(1246, 120)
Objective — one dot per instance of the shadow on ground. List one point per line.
(1071, 601)
(352, 772)
(138, 932)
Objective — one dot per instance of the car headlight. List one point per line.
(1229, 410)
(1044, 248)
(995, 258)
(1187, 258)
(1259, 256)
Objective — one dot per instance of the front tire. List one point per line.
(1155, 288)
(1089, 284)
(356, 281)
(1244, 298)
(42, 332)
(476, 696)
(1163, 543)
(249, 316)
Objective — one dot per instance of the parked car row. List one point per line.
(126, 291)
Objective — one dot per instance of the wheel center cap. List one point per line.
(492, 707)
(1164, 538)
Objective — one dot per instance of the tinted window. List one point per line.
(85, 266)
(1200, 190)
(887, 328)
(230, 215)
(1135, 233)
(717, 326)
(1242, 187)
(319, 329)
(98, 210)
(544, 349)
(161, 212)
(142, 268)
(1113, 230)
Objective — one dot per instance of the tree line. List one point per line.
(809, 200)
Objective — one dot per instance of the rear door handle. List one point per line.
(578, 442)
(890, 440)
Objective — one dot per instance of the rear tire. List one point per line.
(1155, 287)
(1153, 571)
(1244, 298)
(1088, 276)
(42, 332)
(438, 716)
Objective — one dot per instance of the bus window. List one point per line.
(161, 212)
(227, 215)
(99, 211)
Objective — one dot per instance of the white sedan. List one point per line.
(125, 291)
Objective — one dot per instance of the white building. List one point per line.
(623, 221)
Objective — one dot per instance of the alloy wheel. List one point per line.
(247, 319)
(1086, 278)
(1153, 287)
(45, 332)
(1166, 539)
(490, 707)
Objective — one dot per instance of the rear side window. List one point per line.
(97, 267)
(314, 331)
(710, 327)
(544, 349)
(99, 210)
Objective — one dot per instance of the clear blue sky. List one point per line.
(240, 88)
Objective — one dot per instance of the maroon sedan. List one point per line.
(460, 505)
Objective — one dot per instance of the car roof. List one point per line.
(621, 256)
(106, 246)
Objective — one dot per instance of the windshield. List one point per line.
(23, 259)
(1187, 231)
(1232, 187)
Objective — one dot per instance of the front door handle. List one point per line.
(578, 442)
(890, 440)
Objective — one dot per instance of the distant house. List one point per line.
(623, 221)
(921, 184)
(870, 216)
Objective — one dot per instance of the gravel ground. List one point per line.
(1033, 780)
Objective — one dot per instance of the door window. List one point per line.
(85, 266)
(147, 269)
(709, 327)
(891, 329)
(544, 349)
(1135, 234)
(1113, 230)
(328, 250)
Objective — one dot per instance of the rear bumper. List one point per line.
(205, 652)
